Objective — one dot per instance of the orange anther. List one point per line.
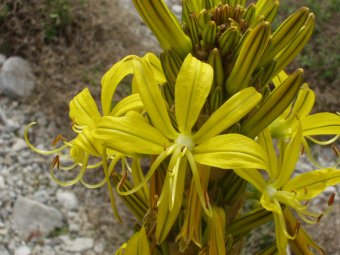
(331, 199)
(56, 162)
(57, 140)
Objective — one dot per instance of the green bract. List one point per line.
(214, 115)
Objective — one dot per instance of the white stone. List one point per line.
(176, 8)
(3, 185)
(31, 216)
(16, 78)
(77, 245)
(19, 145)
(67, 199)
(22, 250)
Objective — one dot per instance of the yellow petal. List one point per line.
(311, 184)
(280, 228)
(265, 140)
(324, 123)
(130, 135)
(291, 155)
(252, 176)
(228, 114)
(129, 103)
(111, 79)
(152, 98)
(138, 244)
(231, 151)
(83, 109)
(156, 67)
(191, 90)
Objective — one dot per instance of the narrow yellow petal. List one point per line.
(192, 88)
(152, 98)
(83, 109)
(231, 151)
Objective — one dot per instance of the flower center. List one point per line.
(186, 141)
(271, 190)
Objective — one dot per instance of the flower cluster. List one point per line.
(213, 115)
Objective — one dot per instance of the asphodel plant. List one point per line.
(209, 121)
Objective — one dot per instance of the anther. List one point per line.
(55, 162)
(293, 191)
(336, 150)
(305, 190)
(302, 150)
(122, 181)
(57, 140)
(331, 199)
(319, 218)
(297, 228)
(307, 202)
(206, 199)
(164, 147)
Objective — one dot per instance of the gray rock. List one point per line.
(77, 245)
(31, 216)
(3, 251)
(22, 250)
(41, 196)
(16, 78)
(67, 199)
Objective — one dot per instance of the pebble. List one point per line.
(31, 216)
(22, 250)
(16, 78)
(19, 145)
(77, 245)
(3, 185)
(67, 199)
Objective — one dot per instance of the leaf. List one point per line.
(191, 90)
(231, 151)
(130, 135)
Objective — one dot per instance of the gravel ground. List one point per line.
(87, 225)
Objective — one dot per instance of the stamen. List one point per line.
(336, 150)
(302, 150)
(57, 140)
(294, 192)
(297, 228)
(307, 202)
(55, 162)
(331, 199)
(319, 218)
(121, 183)
(305, 190)
(206, 198)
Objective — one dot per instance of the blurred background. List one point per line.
(55, 48)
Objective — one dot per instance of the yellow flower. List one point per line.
(133, 135)
(280, 190)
